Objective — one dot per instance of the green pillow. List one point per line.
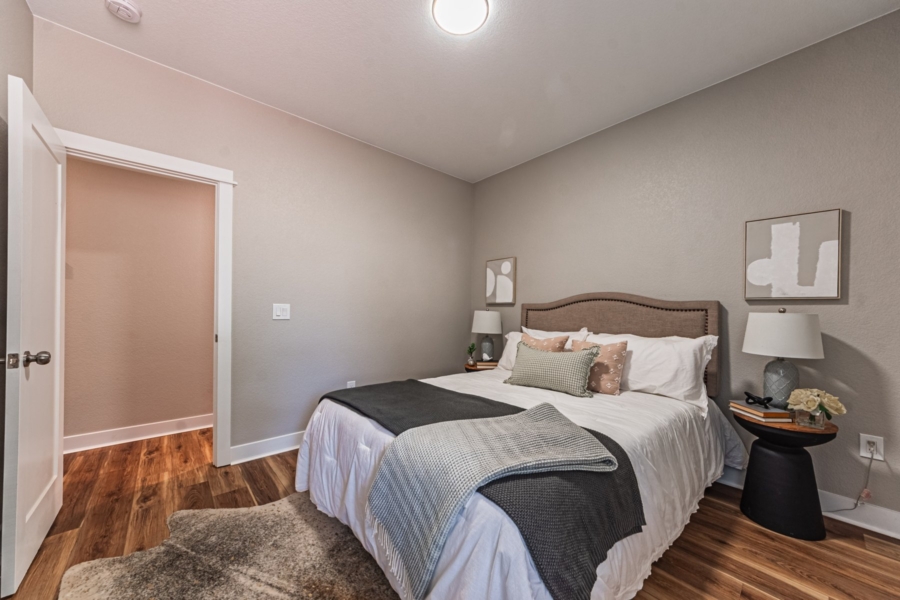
(565, 372)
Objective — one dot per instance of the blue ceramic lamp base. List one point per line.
(780, 378)
(487, 348)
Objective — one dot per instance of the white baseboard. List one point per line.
(263, 448)
(868, 516)
(110, 437)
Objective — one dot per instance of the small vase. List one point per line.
(814, 419)
(471, 361)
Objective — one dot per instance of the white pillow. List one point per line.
(508, 359)
(671, 366)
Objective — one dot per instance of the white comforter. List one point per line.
(676, 454)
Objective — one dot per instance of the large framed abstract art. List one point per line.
(500, 289)
(797, 257)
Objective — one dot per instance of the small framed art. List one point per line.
(796, 257)
(500, 289)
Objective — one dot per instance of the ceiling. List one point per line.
(538, 75)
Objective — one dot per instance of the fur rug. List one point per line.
(287, 549)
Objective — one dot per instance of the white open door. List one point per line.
(32, 455)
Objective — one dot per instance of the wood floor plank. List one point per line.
(43, 578)
(196, 496)
(156, 461)
(262, 481)
(670, 587)
(856, 559)
(283, 476)
(791, 557)
(225, 479)
(699, 574)
(290, 457)
(882, 545)
(105, 527)
(78, 487)
(183, 485)
(187, 452)
(205, 437)
(718, 554)
(147, 523)
(748, 592)
(238, 498)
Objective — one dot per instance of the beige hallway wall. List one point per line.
(140, 260)
(372, 251)
(656, 206)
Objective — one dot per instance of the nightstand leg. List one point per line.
(780, 491)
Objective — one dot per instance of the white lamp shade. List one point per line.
(784, 335)
(486, 321)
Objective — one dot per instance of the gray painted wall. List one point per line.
(656, 206)
(372, 251)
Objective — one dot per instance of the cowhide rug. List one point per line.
(287, 549)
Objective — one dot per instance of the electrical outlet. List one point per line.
(865, 440)
(351, 384)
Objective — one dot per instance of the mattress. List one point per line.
(675, 451)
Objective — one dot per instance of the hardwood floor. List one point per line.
(117, 499)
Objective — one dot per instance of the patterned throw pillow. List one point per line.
(565, 372)
(556, 344)
(606, 372)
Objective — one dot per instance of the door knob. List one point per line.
(41, 358)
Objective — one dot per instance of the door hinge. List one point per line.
(12, 361)
(217, 338)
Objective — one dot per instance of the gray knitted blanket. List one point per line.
(428, 473)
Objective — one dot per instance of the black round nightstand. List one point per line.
(780, 491)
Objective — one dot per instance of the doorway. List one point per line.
(139, 311)
(96, 150)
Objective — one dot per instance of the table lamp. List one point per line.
(782, 335)
(487, 322)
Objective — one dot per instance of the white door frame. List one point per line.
(136, 159)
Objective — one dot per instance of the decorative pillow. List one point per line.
(540, 334)
(670, 366)
(565, 372)
(606, 372)
(554, 344)
(508, 360)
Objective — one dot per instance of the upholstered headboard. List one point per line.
(626, 313)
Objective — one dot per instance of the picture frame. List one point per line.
(500, 282)
(794, 257)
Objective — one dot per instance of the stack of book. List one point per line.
(486, 364)
(760, 413)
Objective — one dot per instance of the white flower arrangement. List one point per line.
(812, 399)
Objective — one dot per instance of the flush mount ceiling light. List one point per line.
(460, 17)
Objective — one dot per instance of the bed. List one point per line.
(676, 453)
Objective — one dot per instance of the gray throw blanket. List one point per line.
(428, 474)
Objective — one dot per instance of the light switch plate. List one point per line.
(281, 311)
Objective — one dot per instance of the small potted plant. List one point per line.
(811, 407)
(471, 351)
